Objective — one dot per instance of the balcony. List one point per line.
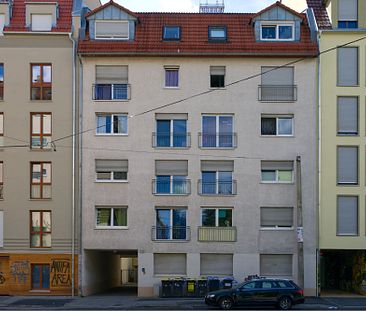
(171, 140)
(277, 93)
(112, 92)
(172, 234)
(217, 234)
(219, 188)
(217, 140)
(172, 187)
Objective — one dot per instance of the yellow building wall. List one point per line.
(329, 190)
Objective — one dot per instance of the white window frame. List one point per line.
(277, 24)
(217, 128)
(112, 209)
(111, 179)
(217, 216)
(111, 37)
(276, 181)
(277, 123)
(171, 68)
(111, 114)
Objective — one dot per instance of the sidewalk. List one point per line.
(107, 302)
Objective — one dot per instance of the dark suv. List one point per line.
(264, 291)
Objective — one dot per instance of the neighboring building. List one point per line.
(37, 216)
(207, 186)
(342, 219)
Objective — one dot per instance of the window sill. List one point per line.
(111, 228)
(216, 195)
(277, 183)
(348, 185)
(110, 100)
(40, 101)
(348, 135)
(277, 136)
(39, 291)
(214, 88)
(171, 241)
(175, 148)
(110, 135)
(277, 228)
(171, 87)
(170, 275)
(47, 199)
(111, 181)
(40, 149)
(171, 194)
(278, 101)
(217, 148)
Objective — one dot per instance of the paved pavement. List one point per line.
(116, 302)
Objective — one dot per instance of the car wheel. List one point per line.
(285, 303)
(226, 303)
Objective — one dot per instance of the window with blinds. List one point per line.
(347, 115)
(347, 14)
(111, 74)
(41, 22)
(216, 264)
(347, 165)
(276, 265)
(277, 217)
(111, 170)
(277, 171)
(347, 66)
(170, 264)
(347, 215)
(217, 76)
(112, 29)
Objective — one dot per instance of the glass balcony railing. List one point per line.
(277, 93)
(115, 92)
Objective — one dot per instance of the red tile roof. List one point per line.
(320, 12)
(194, 37)
(17, 22)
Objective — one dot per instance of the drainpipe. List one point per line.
(300, 239)
(73, 165)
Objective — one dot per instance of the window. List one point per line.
(41, 130)
(347, 14)
(277, 84)
(41, 180)
(217, 33)
(347, 116)
(171, 76)
(1, 180)
(112, 124)
(1, 81)
(217, 178)
(171, 33)
(111, 217)
(171, 177)
(217, 76)
(170, 264)
(40, 276)
(216, 264)
(41, 22)
(111, 83)
(277, 32)
(111, 170)
(40, 229)
(2, 23)
(41, 84)
(217, 217)
(277, 126)
(217, 131)
(277, 217)
(171, 131)
(347, 66)
(171, 224)
(112, 29)
(277, 171)
(347, 215)
(275, 265)
(347, 165)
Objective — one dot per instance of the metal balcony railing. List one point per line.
(171, 140)
(172, 187)
(277, 93)
(217, 140)
(170, 233)
(111, 92)
(217, 234)
(218, 187)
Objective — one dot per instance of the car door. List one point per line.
(266, 293)
(246, 293)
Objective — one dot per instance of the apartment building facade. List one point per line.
(342, 143)
(198, 150)
(39, 241)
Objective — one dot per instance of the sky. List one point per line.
(238, 6)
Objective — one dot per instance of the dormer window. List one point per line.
(41, 22)
(217, 33)
(275, 31)
(171, 33)
(347, 14)
(112, 29)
